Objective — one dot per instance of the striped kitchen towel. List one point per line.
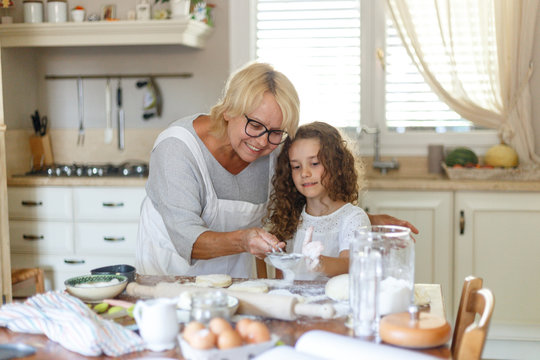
(68, 321)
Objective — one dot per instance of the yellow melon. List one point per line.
(501, 155)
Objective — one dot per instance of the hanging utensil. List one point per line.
(108, 113)
(80, 99)
(121, 119)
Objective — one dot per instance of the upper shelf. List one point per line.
(103, 33)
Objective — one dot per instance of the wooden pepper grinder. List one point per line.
(414, 329)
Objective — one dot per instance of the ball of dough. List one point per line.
(213, 280)
(337, 288)
(250, 286)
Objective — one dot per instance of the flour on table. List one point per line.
(285, 292)
(253, 286)
(214, 280)
(337, 288)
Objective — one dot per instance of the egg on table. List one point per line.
(203, 339)
(257, 332)
(242, 327)
(229, 339)
(218, 325)
(191, 329)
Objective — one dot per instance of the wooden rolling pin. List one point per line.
(281, 307)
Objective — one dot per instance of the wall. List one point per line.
(227, 48)
(535, 86)
(26, 90)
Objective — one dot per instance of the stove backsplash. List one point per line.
(139, 144)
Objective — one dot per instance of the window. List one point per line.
(317, 45)
(327, 48)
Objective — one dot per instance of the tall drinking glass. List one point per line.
(381, 271)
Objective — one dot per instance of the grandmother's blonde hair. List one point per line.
(244, 92)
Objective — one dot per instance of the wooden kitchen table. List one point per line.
(288, 331)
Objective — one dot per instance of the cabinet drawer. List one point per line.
(108, 204)
(106, 238)
(40, 202)
(60, 268)
(46, 237)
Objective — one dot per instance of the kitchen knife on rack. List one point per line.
(108, 116)
(120, 115)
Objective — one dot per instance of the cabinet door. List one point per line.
(50, 203)
(108, 204)
(431, 213)
(500, 242)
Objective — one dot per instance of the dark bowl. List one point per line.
(123, 269)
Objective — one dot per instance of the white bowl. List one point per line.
(96, 287)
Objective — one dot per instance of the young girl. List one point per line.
(316, 187)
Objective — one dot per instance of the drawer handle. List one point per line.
(111, 204)
(461, 222)
(68, 261)
(31, 203)
(33, 237)
(112, 238)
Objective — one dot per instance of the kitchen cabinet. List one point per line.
(499, 241)
(68, 231)
(431, 213)
(489, 234)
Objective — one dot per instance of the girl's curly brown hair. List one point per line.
(342, 172)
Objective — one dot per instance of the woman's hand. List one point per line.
(383, 219)
(259, 242)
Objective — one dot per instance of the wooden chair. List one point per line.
(469, 337)
(20, 275)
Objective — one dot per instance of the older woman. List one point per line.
(210, 178)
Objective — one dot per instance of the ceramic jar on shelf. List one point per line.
(56, 11)
(33, 11)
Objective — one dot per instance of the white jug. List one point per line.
(158, 324)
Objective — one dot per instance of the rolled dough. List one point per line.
(214, 280)
(250, 286)
(337, 288)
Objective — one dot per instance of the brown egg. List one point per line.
(191, 329)
(218, 325)
(241, 327)
(229, 339)
(203, 340)
(257, 332)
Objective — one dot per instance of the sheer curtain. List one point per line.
(476, 55)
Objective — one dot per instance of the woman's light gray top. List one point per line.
(178, 193)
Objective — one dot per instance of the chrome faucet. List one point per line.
(377, 163)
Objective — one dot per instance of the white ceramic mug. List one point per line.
(157, 322)
(56, 11)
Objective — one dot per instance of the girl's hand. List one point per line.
(383, 219)
(259, 242)
(312, 250)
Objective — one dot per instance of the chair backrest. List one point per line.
(469, 337)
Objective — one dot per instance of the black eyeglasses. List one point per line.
(256, 129)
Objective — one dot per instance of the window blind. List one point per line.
(316, 43)
(410, 102)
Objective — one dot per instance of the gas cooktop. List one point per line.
(127, 169)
